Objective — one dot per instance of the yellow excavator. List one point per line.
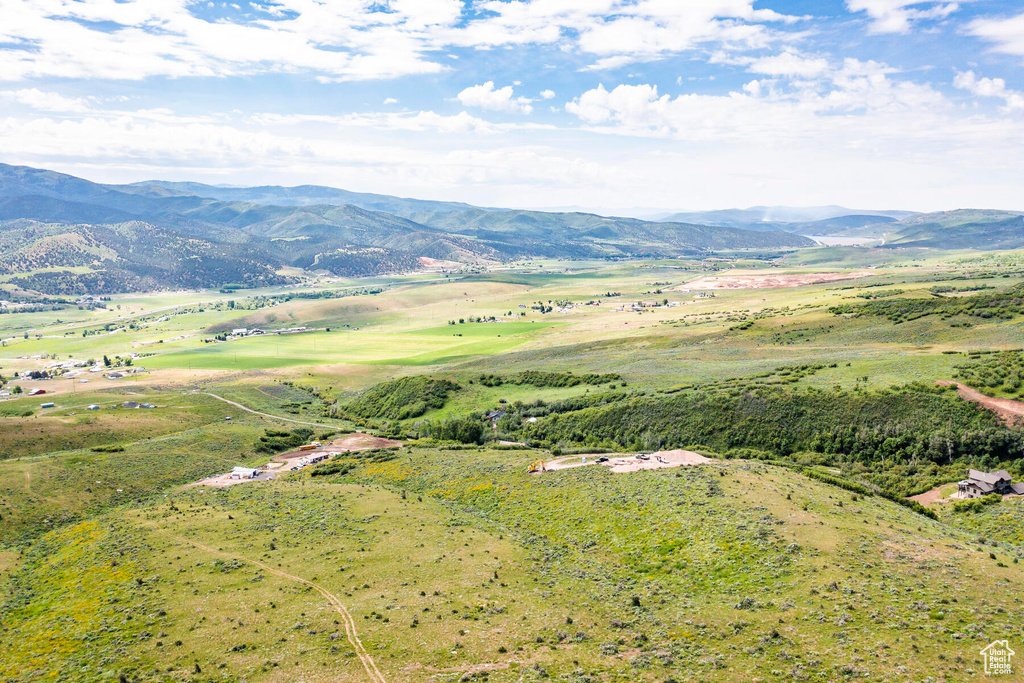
(537, 466)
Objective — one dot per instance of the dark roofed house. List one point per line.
(979, 484)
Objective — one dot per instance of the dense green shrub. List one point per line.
(994, 373)
(402, 398)
(977, 504)
(462, 430)
(1003, 305)
(278, 440)
(536, 378)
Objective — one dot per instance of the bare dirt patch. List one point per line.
(220, 481)
(358, 441)
(769, 280)
(618, 462)
(1009, 410)
(932, 496)
(428, 262)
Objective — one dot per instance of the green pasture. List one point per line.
(430, 346)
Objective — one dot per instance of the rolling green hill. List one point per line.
(962, 229)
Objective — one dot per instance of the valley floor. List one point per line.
(767, 535)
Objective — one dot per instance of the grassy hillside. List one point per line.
(125, 257)
(965, 229)
(463, 564)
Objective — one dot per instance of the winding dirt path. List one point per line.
(256, 412)
(350, 625)
(1009, 410)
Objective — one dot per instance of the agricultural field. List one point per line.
(809, 379)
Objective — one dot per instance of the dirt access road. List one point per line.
(372, 671)
(1011, 411)
(256, 412)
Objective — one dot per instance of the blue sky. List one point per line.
(602, 104)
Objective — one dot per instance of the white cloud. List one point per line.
(856, 99)
(989, 87)
(45, 101)
(932, 162)
(486, 96)
(1007, 33)
(547, 94)
(350, 39)
(790, 64)
(390, 100)
(338, 40)
(420, 121)
(897, 16)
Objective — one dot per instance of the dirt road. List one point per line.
(256, 412)
(1009, 410)
(350, 625)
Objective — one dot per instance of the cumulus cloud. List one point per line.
(857, 97)
(486, 96)
(547, 94)
(989, 87)
(897, 16)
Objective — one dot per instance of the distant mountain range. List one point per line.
(804, 220)
(65, 235)
(302, 195)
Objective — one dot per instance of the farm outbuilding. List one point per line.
(244, 473)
